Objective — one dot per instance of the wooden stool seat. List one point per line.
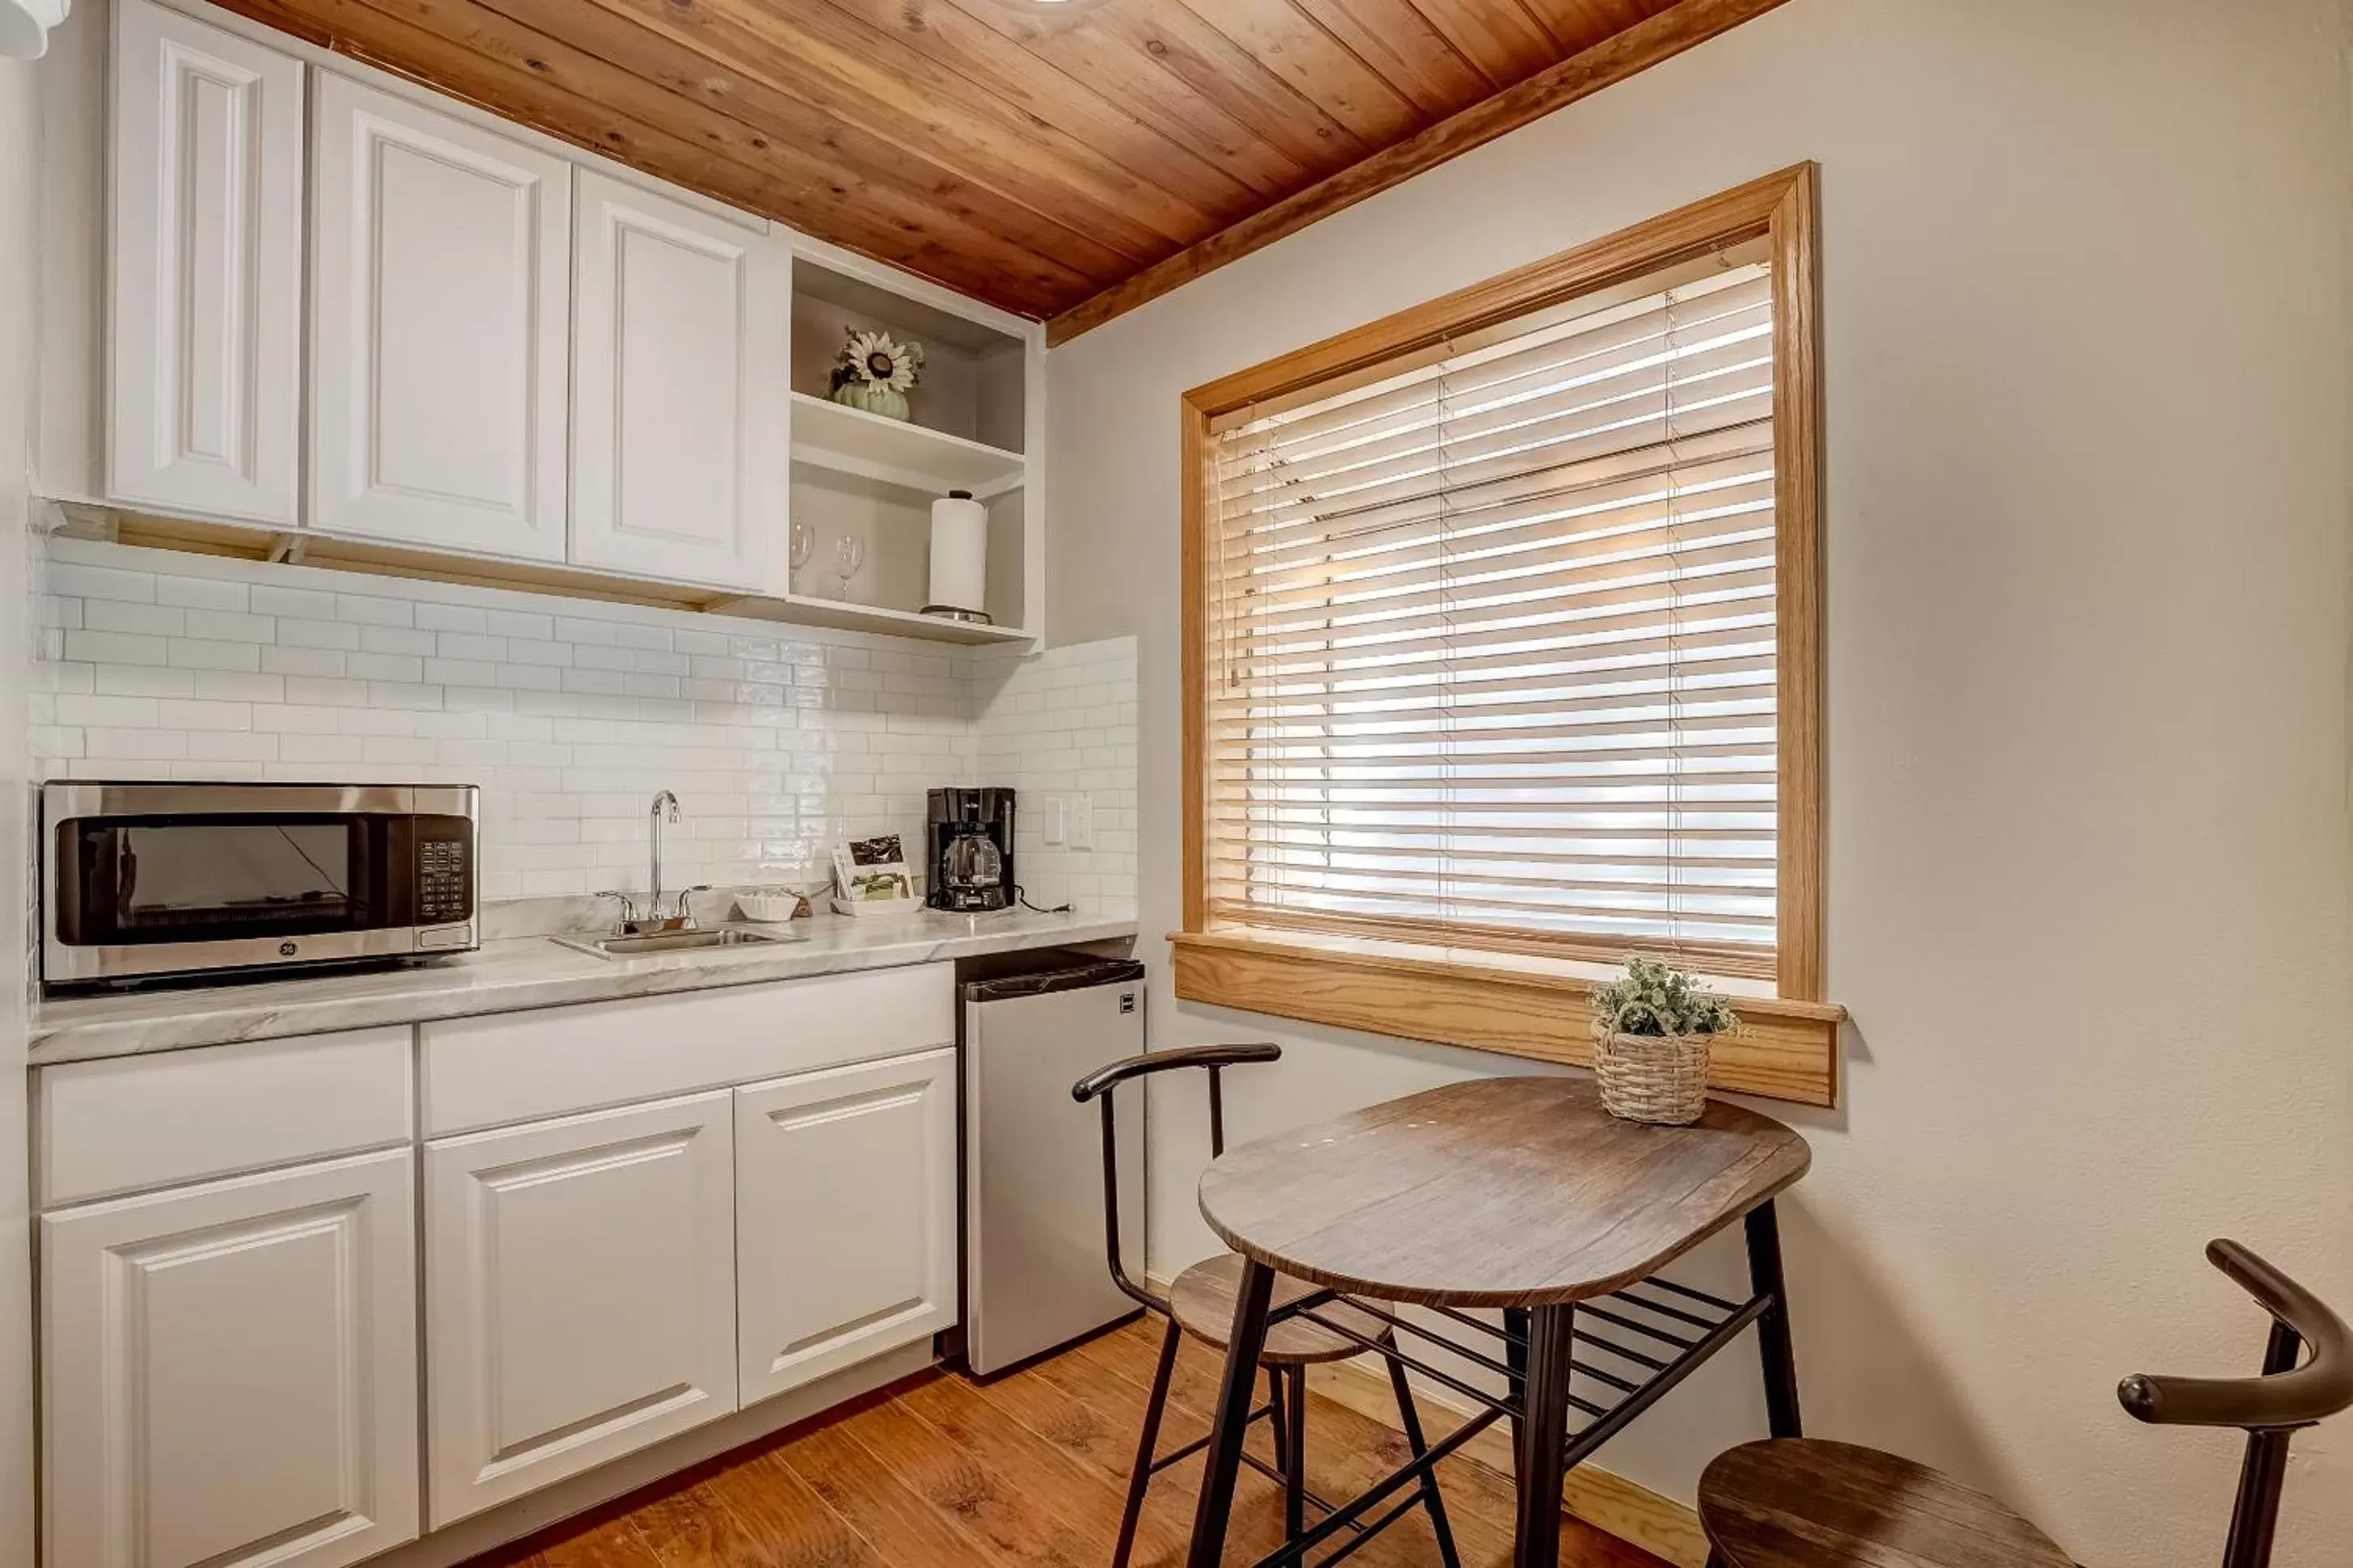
(1202, 1301)
(1801, 1503)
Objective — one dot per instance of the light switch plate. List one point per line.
(1056, 812)
(1081, 823)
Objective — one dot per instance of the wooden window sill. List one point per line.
(1784, 1050)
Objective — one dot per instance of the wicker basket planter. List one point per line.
(1659, 1079)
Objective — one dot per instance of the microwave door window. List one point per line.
(226, 877)
(184, 880)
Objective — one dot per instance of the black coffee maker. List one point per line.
(971, 835)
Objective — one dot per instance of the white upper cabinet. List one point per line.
(229, 1371)
(846, 1216)
(580, 1294)
(206, 278)
(440, 307)
(680, 390)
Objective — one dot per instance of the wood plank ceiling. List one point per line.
(1062, 160)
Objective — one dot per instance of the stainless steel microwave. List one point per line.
(142, 880)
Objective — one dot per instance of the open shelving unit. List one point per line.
(860, 475)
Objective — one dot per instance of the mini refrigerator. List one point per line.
(1036, 1272)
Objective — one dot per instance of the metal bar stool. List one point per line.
(1201, 1303)
(1793, 1502)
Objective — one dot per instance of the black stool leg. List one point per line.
(2255, 1517)
(1544, 1439)
(1274, 1413)
(1141, 1476)
(1781, 1363)
(1295, 1452)
(1516, 1356)
(1244, 1345)
(1410, 1419)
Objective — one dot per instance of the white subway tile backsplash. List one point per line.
(115, 647)
(121, 615)
(778, 742)
(274, 599)
(200, 593)
(188, 652)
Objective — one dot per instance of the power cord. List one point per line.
(1057, 910)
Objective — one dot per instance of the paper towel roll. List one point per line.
(959, 553)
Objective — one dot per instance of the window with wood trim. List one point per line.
(1503, 615)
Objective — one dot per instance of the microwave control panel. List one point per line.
(445, 882)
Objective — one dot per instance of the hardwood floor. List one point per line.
(1026, 1472)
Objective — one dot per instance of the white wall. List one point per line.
(2091, 587)
(19, 230)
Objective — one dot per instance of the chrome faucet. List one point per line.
(652, 921)
(653, 903)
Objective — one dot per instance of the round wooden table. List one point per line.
(1518, 1193)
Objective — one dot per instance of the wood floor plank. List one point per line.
(972, 1493)
(1027, 1470)
(790, 1521)
(615, 1544)
(1066, 1485)
(901, 1526)
(692, 1528)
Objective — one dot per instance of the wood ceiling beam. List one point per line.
(1663, 35)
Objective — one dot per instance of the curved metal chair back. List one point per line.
(1099, 1084)
(2270, 1407)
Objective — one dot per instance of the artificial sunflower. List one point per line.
(877, 358)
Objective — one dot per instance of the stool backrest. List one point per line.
(1099, 1084)
(2287, 1396)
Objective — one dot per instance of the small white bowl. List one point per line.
(769, 907)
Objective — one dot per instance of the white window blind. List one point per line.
(1491, 637)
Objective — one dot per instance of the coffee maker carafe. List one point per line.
(971, 834)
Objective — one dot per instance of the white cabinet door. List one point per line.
(441, 258)
(229, 1371)
(679, 384)
(580, 1294)
(206, 277)
(846, 1211)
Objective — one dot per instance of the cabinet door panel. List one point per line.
(229, 1371)
(846, 1216)
(679, 365)
(580, 1294)
(205, 291)
(440, 313)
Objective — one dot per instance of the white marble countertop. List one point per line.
(519, 972)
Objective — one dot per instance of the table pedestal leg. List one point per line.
(1245, 1344)
(1781, 1363)
(1544, 1437)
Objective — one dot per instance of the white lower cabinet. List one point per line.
(846, 1216)
(580, 1294)
(230, 1371)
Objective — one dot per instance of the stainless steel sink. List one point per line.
(672, 942)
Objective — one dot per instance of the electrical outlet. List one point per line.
(1056, 815)
(1083, 822)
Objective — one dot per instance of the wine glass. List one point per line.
(848, 556)
(804, 545)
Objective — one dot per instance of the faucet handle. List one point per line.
(685, 913)
(628, 906)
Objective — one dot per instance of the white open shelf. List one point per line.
(811, 610)
(852, 441)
